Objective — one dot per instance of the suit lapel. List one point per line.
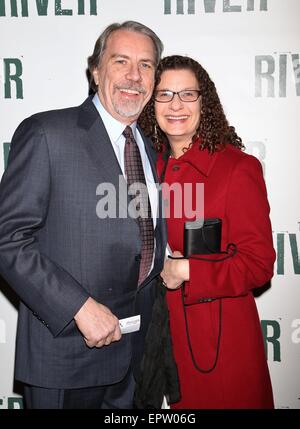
(100, 148)
(98, 142)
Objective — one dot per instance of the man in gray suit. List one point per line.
(77, 272)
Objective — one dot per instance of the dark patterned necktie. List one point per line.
(135, 176)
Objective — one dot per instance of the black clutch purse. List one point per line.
(202, 238)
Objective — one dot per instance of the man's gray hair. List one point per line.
(100, 45)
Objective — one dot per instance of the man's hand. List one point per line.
(97, 324)
(175, 271)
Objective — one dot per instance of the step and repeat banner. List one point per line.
(251, 50)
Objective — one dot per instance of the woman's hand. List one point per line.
(175, 271)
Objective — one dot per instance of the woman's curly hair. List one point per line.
(213, 130)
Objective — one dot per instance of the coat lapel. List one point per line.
(98, 143)
(100, 149)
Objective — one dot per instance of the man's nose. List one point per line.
(134, 72)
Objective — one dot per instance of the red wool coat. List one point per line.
(234, 190)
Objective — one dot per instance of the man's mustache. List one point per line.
(133, 87)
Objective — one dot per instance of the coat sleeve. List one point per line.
(249, 228)
(52, 294)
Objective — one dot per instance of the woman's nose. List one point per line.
(176, 103)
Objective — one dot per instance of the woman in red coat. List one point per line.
(215, 327)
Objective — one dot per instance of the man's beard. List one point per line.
(125, 107)
(128, 108)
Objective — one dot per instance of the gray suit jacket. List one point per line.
(55, 252)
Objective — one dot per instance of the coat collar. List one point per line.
(99, 145)
(87, 113)
(201, 160)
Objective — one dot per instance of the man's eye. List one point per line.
(146, 66)
(121, 61)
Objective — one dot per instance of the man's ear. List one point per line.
(95, 75)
